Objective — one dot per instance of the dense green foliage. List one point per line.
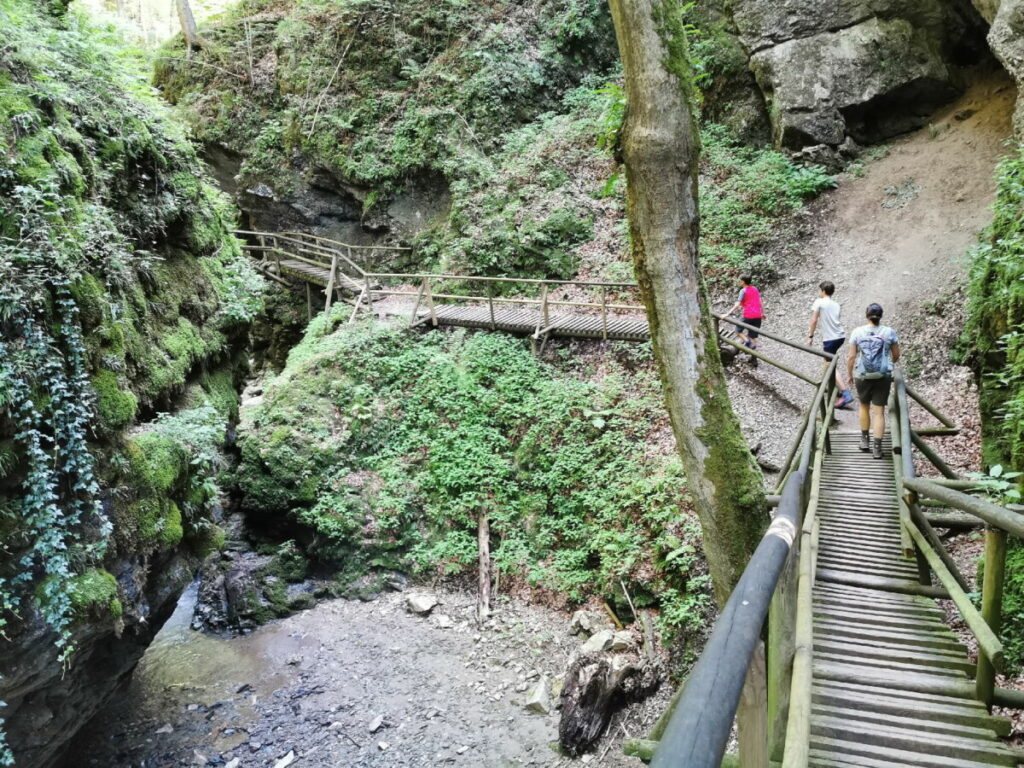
(119, 279)
(388, 446)
(511, 111)
(994, 337)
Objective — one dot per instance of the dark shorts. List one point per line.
(874, 391)
(755, 321)
(832, 346)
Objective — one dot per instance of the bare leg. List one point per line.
(865, 417)
(877, 421)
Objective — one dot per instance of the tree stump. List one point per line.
(593, 691)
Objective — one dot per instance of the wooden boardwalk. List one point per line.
(527, 321)
(320, 276)
(884, 661)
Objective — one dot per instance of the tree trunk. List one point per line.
(660, 148)
(188, 26)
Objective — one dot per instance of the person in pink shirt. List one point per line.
(750, 302)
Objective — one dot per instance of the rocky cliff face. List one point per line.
(1006, 39)
(861, 71)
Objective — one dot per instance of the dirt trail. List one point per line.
(895, 231)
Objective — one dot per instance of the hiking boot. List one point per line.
(864, 444)
(876, 448)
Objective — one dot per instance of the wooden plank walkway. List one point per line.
(318, 275)
(526, 321)
(880, 654)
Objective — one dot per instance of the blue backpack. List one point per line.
(872, 356)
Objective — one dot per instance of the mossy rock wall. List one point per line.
(123, 296)
(380, 447)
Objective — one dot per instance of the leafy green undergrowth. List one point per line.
(388, 445)
(744, 193)
(120, 282)
(994, 342)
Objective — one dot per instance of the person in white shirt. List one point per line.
(826, 313)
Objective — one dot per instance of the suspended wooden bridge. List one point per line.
(562, 308)
(832, 651)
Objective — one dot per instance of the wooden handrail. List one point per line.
(485, 279)
(984, 625)
(507, 300)
(698, 730)
(993, 514)
(774, 336)
(350, 245)
(329, 253)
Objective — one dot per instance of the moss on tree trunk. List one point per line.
(660, 147)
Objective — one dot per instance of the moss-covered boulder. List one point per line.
(379, 448)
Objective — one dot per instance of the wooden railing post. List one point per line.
(490, 305)
(430, 303)
(604, 313)
(544, 304)
(906, 545)
(752, 715)
(416, 306)
(991, 606)
(781, 620)
(330, 283)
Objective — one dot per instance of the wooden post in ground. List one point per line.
(991, 606)
(490, 304)
(752, 714)
(430, 304)
(330, 283)
(309, 301)
(416, 306)
(544, 304)
(483, 536)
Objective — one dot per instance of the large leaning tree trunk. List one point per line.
(189, 30)
(660, 146)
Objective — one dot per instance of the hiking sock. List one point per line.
(864, 446)
(876, 448)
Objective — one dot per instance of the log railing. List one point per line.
(931, 554)
(773, 599)
(736, 677)
(440, 286)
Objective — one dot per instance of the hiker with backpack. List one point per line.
(826, 314)
(750, 302)
(873, 349)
